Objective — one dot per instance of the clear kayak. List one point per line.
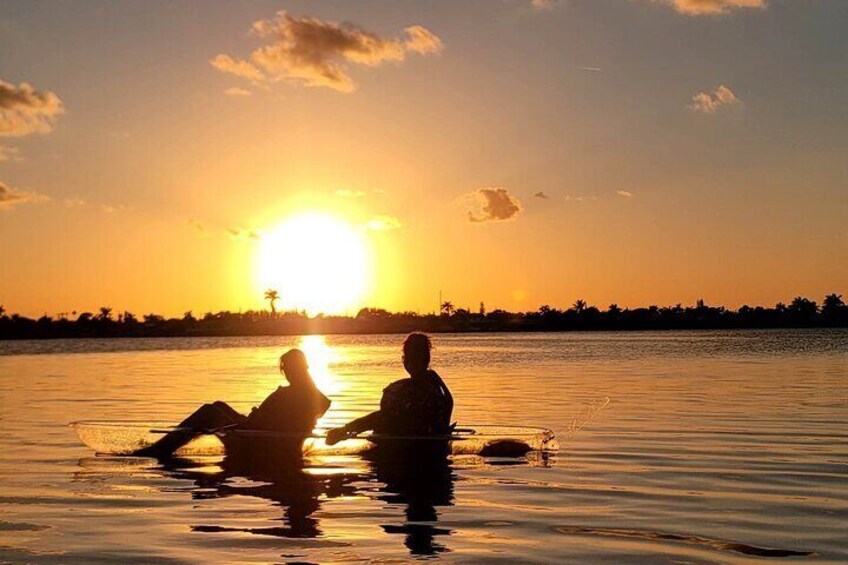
(128, 437)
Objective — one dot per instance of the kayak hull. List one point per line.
(127, 438)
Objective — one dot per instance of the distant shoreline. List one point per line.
(799, 314)
(432, 332)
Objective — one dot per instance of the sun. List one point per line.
(317, 262)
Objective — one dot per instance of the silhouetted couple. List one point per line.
(417, 406)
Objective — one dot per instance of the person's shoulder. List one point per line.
(279, 391)
(399, 386)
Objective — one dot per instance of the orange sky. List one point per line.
(514, 153)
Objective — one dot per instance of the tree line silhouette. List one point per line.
(800, 313)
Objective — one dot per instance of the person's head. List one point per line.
(416, 353)
(294, 366)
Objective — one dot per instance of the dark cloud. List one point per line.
(492, 205)
(10, 197)
(313, 52)
(541, 195)
(24, 110)
(199, 228)
(243, 233)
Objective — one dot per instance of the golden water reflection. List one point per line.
(321, 358)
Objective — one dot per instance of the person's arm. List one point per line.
(445, 390)
(262, 416)
(363, 424)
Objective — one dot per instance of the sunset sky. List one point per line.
(514, 152)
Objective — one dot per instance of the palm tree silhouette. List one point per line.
(579, 306)
(272, 296)
(448, 308)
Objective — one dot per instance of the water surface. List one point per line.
(716, 447)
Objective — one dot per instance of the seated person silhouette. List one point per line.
(418, 406)
(292, 410)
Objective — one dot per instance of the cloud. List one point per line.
(199, 228)
(383, 223)
(711, 7)
(74, 202)
(243, 233)
(313, 52)
(491, 205)
(544, 4)
(10, 197)
(624, 193)
(709, 102)
(541, 195)
(242, 69)
(569, 198)
(112, 208)
(347, 193)
(237, 91)
(422, 41)
(9, 153)
(24, 110)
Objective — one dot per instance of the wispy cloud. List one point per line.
(243, 69)
(347, 193)
(383, 222)
(73, 202)
(199, 229)
(624, 193)
(25, 110)
(544, 4)
(237, 91)
(711, 7)
(492, 205)
(9, 153)
(313, 52)
(10, 197)
(112, 208)
(243, 233)
(591, 69)
(710, 102)
(569, 198)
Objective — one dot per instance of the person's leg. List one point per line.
(207, 417)
(212, 416)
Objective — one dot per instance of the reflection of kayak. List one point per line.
(126, 438)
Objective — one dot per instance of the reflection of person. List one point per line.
(422, 481)
(294, 409)
(418, 406)
(278, 477)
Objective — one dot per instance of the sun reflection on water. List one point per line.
(320, 357)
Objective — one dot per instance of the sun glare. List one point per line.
(317, 262)
(320, 356)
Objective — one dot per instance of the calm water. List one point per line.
(716, 447)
